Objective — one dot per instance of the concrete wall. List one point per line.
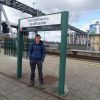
(95, 42)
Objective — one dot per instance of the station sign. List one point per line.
(47, 22)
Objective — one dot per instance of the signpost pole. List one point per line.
(63, 49)
(19, 53)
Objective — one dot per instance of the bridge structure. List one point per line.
(26, 9)
(19, 6)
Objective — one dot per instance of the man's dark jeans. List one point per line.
(33, 67)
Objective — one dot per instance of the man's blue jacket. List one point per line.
(37, 52)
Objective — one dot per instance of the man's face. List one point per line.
(37, 40)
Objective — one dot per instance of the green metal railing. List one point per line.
(10, 46)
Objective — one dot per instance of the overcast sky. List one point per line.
(82, 12)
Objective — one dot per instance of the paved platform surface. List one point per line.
(82, 77)
(13, 90)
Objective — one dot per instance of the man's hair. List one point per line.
(37, 35)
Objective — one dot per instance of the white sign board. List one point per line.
(54, 19)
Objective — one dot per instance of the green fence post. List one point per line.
(14, 45)
(15, 48)
(27, 48)
(4, 46)
(19, 53)
(7, 45)
(11, 46)
(63, 49)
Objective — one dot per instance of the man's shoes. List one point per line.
(41, 86)
(30, 84)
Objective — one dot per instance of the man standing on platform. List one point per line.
(36, 57)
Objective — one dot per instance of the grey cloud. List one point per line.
(52, 6)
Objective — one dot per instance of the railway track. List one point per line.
(76, 56)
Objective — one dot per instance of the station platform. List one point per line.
(82, 77)
(88, 53)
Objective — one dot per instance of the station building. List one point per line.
(77, 40)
